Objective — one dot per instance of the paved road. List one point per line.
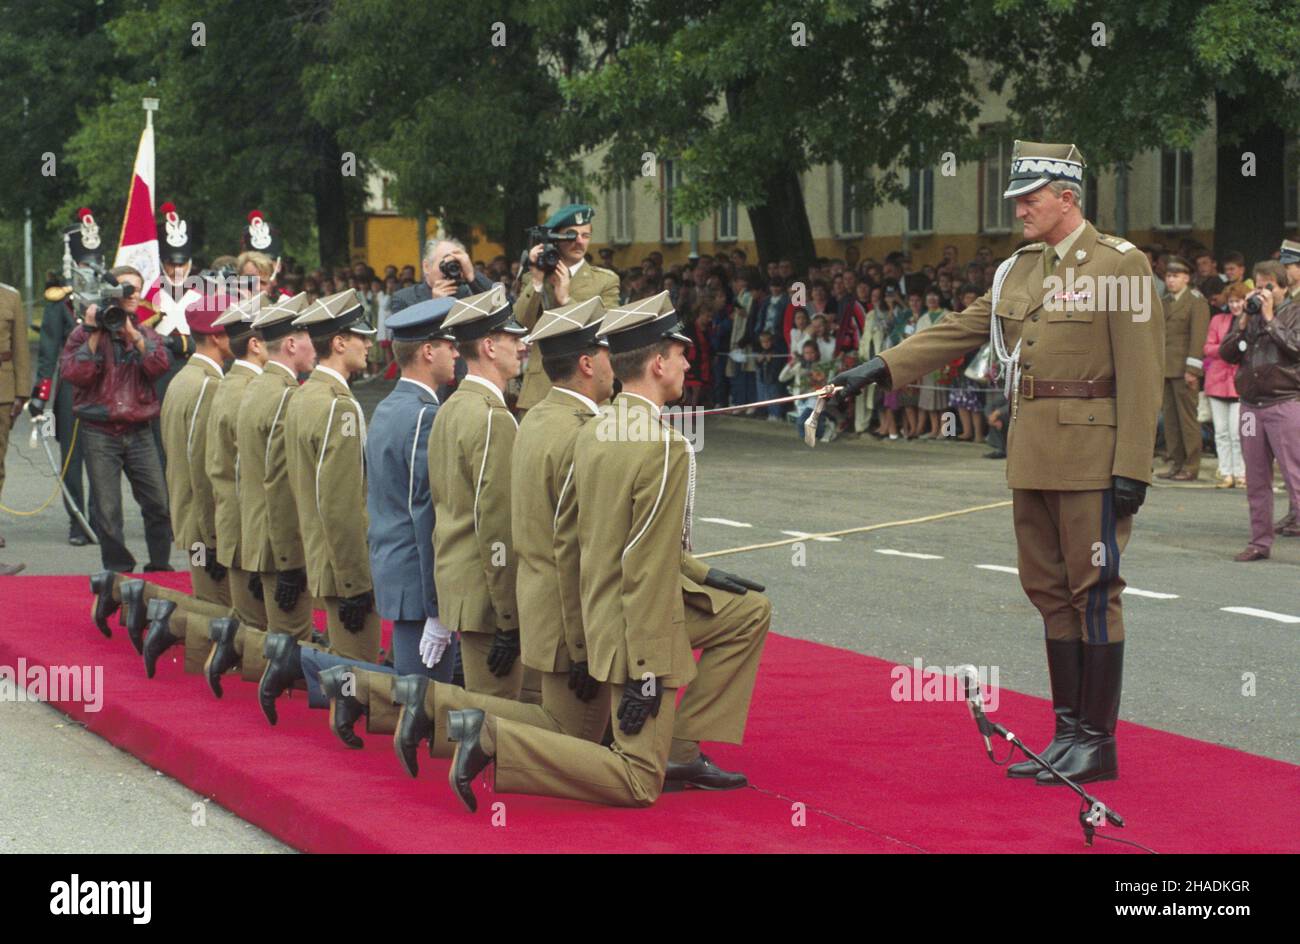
(956, 603)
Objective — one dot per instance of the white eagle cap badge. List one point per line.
(89, 230)
(176, 227)
(259, 234)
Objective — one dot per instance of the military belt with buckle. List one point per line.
(1033, 388)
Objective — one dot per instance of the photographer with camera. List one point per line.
(1265, 343)
(557, 274)
(112, 362)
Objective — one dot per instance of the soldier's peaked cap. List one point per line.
(569, 329)
(277, 321)
(575, 214)
(238, 318)
(1035, 164)
(1290, 252)
(477, 316)
(425, 321)
(333, 314)
(641, 323)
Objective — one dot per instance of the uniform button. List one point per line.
(640, 661)
(1030, 342)
(1089, 417)
(1033, 318)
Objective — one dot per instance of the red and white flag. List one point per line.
(138, 245)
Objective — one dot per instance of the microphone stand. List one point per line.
(1090, 818)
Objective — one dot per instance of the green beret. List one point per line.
(575, 214)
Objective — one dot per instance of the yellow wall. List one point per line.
(394, 240)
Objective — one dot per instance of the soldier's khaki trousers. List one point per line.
(1069, 546)
(560, 710)
(474, 649)
(250, 610)
(362, 646)
(209, 590)
(5, 425)
(1182, 432)
(153, 591)
(631, 773)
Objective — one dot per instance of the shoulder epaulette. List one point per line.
(1114, 242)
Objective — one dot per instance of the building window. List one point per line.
(1291, 183)
(729, 220)
(995, 169)
(621, 217)
(1176, 187)
(920, 202)
(672, 180)
(359, 233)
(850, 219)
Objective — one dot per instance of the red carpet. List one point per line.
(873, 775)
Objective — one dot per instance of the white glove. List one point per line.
(434, 642)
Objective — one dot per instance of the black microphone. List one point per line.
(975, 703)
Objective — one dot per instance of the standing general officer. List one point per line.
(1085, 371)
(574, 280)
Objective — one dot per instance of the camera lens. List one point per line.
(1253, 305)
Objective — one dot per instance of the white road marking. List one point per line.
(999, 568)
(805, 535)
(1262, 614)
(891, 551)
(727, 521)
(1150, 593)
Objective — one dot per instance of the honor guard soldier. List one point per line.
(572, 280)
(170, 294)
(261, 256)
(186, 412)
(646, 603)
(15, 376)
(325, 433)
(470, 446)
(544, 527)
(57, 324)
(1289, 256)
(246, 592)
(400, 534)
(1083, 375)
(1187, 321)
(270, 543)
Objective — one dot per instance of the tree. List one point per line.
(748, 96)
(233, 130)
(1121, 76)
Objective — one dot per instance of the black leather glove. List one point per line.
(504, 652)
(354, 610)
(583, 686)
(730, 582)
(255, 586)
(289, 585)
(856, 379)
(1129, 494)
(216, 570)
(636, 707)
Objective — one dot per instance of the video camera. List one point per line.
(89, 284)
(549, 258)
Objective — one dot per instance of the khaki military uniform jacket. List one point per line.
(589, 282)
(186, 409)
(632, 476)
(224, 461)
(1066, 444)
(544, 522)
(15, 354)
(1187, 322)
(324, 439)
(268, 515)
(474, 563)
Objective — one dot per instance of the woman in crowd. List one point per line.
(819, 331)
(799, 333)
(1222, 392)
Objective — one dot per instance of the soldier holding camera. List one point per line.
(557, 274)
(112, 363)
